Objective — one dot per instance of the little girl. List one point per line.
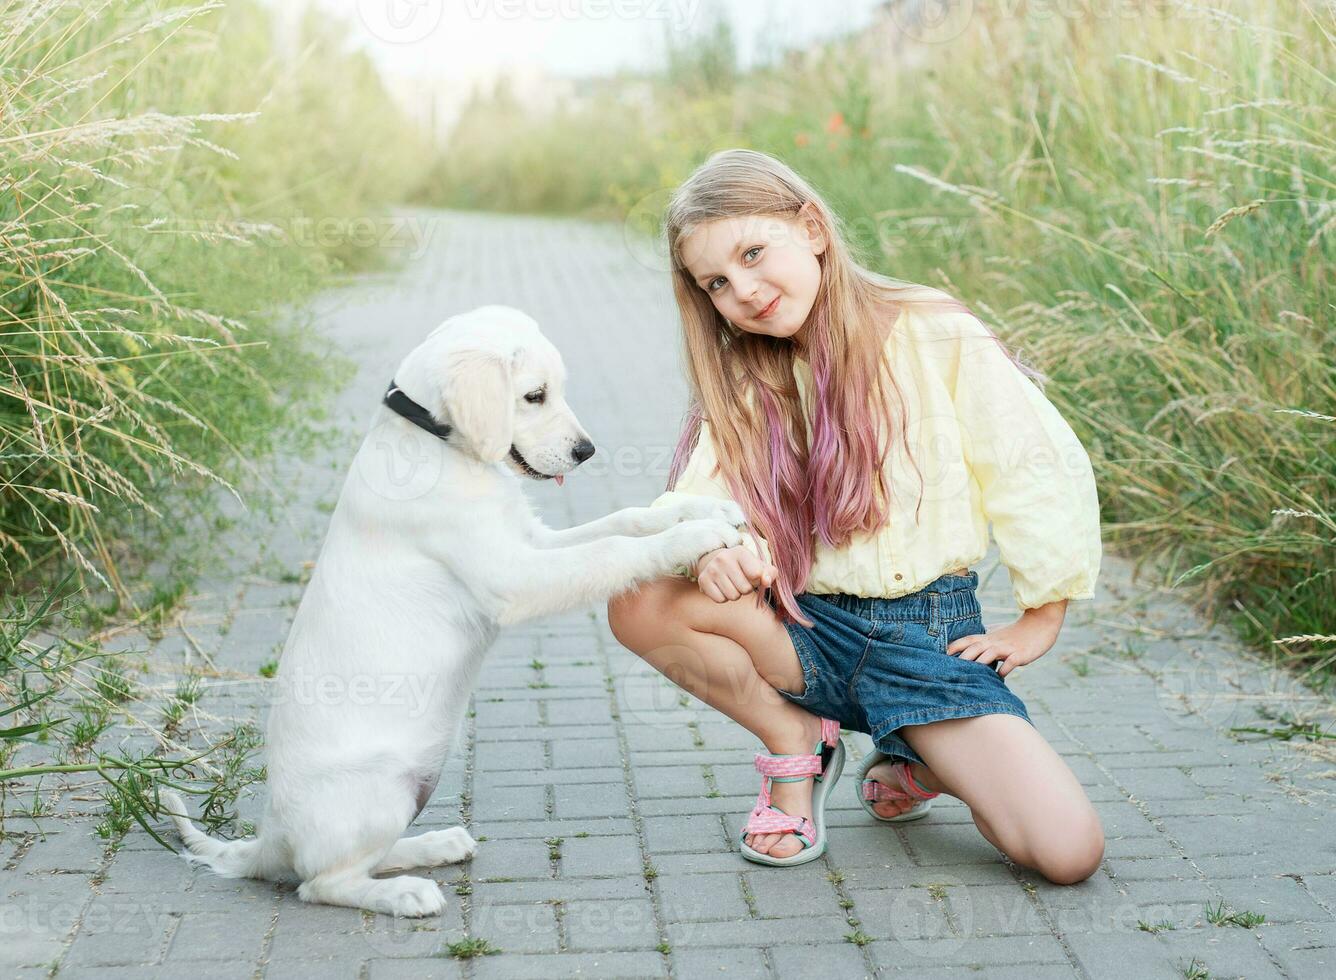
(866, 616)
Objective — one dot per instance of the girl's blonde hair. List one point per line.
(743, 382)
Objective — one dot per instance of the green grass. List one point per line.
(111, 683)
(1287, 727)
(92, 720)
(159, 184)
(171, 188)
(60, 696)
(189, 691)
(177, 705)
(1140, 203)
(118, 815)
(467, 949)
(1222, 915)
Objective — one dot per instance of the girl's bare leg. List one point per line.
(1023, 798)
(732, 656)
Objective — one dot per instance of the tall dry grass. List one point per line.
(172, 184)
(160, 171)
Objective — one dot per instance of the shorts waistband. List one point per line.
(945, 598)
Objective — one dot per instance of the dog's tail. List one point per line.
(253, 858)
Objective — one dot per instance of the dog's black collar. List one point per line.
(401, 404)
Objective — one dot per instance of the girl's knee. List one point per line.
(1074, 854)
(632, 615)
(623, 614)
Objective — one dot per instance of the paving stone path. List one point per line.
(609, 803)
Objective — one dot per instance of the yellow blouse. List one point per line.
(990, 447)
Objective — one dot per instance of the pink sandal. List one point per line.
(871, 791)
(824, 767)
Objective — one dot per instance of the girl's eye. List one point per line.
(536, 397)
(755, 248)
(714, 284)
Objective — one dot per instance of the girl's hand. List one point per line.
(731, 573)
(1021, 643)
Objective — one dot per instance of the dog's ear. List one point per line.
(479, 401)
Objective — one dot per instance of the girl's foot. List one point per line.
(882, 773)
(794, 798)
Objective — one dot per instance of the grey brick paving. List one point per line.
(574, 738)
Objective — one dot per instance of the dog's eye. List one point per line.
(536, 397)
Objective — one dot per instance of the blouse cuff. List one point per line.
(1033, 601)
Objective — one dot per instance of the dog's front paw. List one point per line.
(450, 846)
(687, 542)
(407, 897)
(710, 509)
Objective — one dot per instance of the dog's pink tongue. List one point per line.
(560, 480)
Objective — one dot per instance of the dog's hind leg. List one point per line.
(342, 835)
(429, 850)
(354, 887)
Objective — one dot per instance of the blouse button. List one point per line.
(898, 576)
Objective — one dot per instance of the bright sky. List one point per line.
(478, 38)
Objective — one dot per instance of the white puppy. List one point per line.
(432, 546)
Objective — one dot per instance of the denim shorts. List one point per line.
(876, 665)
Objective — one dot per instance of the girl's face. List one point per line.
(760, 271)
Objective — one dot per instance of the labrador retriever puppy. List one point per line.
(431, 548)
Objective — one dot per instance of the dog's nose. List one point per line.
(583, 450)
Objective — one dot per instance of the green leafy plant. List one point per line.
(1222, 915)
(467, 949)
